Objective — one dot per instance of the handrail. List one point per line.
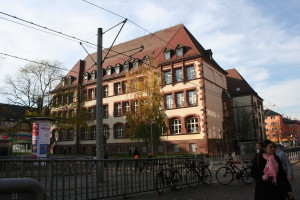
(23, 185)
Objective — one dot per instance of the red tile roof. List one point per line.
(237, 85)
(153, 44)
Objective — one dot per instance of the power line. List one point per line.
(36, 62)
(127, 19)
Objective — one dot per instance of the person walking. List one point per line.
(270, 178)
(286, 164)
(136, 155)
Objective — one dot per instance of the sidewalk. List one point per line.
(215, 191)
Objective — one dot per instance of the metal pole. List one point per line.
(99, 109)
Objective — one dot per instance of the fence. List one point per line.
(78, 178)
(294, 157)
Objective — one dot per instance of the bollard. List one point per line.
(23, 185)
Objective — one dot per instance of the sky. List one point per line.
(260, 38)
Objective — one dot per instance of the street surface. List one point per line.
(235, 191)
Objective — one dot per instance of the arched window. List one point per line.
(192, 125)
(118, 131)
(175, 126)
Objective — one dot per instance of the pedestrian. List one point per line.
(136, 155)
(258, 147)
(286, 164)
(270, 178)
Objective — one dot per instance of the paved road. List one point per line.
(215, 191)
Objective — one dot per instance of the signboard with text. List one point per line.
(40, 138)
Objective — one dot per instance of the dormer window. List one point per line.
(146, 59)
(126, 66)
(117, 68)
(70, 79)
(63, 81)
(179, 50)
(109, 70)
(135, 64)
(238, 89)
(86, 77)
(167, 53)
(93, 74)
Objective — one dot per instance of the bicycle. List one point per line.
(172, 179)
(197, 172)
(225, 175)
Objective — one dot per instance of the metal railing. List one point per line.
(77, 178)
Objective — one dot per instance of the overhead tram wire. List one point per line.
(127, 19)
(36, 62)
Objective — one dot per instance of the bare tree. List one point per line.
(33, 83)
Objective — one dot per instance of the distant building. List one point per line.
(195, 97)
(15, 132)
(247, 108)
(281, 130)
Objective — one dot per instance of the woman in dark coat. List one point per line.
(270, 178)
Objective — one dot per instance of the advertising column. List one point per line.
(40, 138)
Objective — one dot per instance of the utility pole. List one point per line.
(99, 109)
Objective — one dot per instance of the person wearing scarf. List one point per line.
(271, 182)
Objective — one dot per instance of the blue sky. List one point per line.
(259, 38)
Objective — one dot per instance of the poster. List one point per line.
(40, 138)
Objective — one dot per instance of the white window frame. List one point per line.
(119, 131)
(167, 55)
(118, 88)
(118, 111)
(192, 98)
(175, 126)
(106, 131)
(105, 91)
(85, 134)
(168, 77)
(179, 52)
(179, 99)
(178, 75)
(105, 111)
(192, 125)
(169, 101)
(190, 72)
(94, 133)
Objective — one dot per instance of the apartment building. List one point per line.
(195, 97)
(280, 129)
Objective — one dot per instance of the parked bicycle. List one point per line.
(172, 178)
(225, 175)
(197, 172)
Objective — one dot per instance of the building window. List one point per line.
(135, 106)
(167, 55)
(274, 129)
(119, 149)
(125, 87)
(119, 131)
(106, 131)
(105, 91)
(175, 148)
(178, 74)
(70, 134)
(117, 70)
(105, 111)
(135, 64)
(109, 70)
(179, 52)
(126, 106)
(169, 101)
(160, 148)
(85, 134)
(272, 117)
(179, 99)
(94, 133)
(91, 94)
(118, 109)
(190, 72)
(192, 125)
(192, 100)
(117, 88)
(93, 74)
(86, 77)
(193, 148)
(168, 77)
(273, 123)
(126, 67)
(175, 126)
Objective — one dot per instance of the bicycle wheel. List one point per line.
(160, 182)
(192, 178)
(224, 175)
(206, 176)
(176, 181)
(246, 178)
